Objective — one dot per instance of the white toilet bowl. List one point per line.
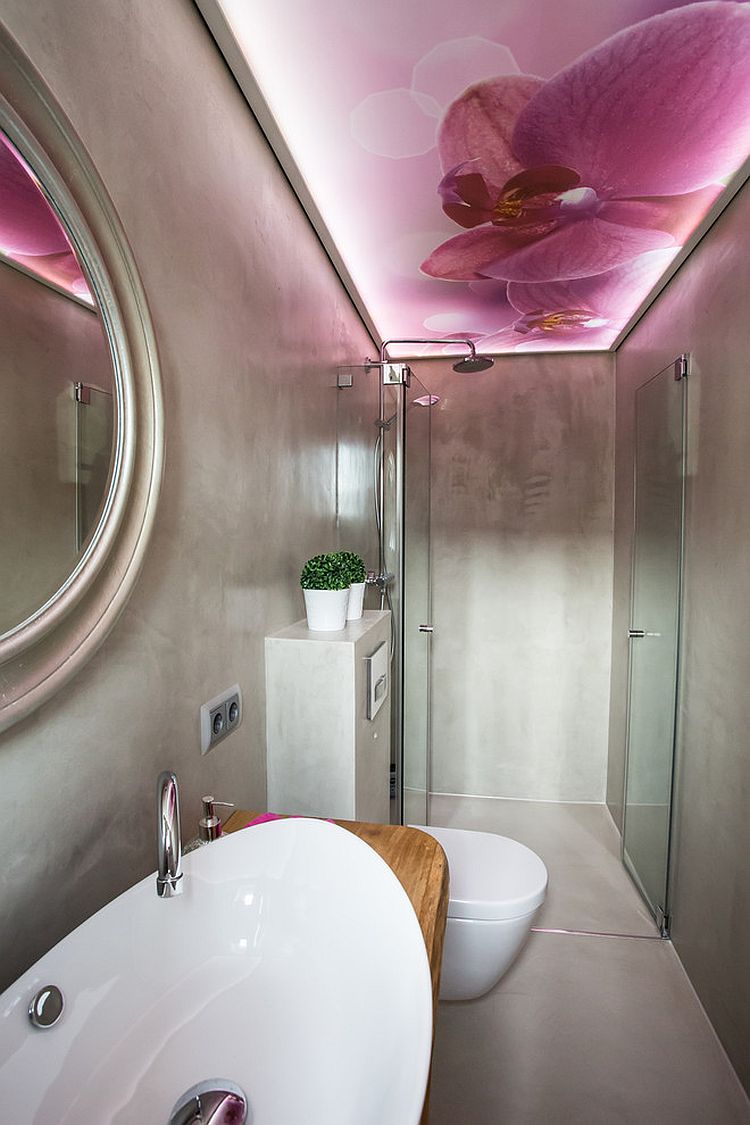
(496, 889)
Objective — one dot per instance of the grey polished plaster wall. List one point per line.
(251, 322)
(703, 311)
(522, 471)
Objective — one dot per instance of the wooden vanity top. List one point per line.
(420, 865)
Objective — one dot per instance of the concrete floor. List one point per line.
(595, 1030)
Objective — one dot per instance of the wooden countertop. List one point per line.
(420, 865)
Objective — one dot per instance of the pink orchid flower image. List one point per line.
(581, 313)
(30, 232)
(617, 155)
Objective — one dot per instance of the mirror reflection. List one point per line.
(57, 405)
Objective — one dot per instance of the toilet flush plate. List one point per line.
(377, 679)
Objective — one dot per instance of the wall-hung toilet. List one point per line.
(496, 889)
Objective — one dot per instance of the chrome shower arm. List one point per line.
(387, 343)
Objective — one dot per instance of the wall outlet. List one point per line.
(220, 716)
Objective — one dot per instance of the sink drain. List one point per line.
(217, 1101)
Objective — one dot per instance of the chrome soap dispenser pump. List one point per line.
(210, 826)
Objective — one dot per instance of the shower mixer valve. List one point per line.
(382, 580)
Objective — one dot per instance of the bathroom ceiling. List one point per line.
(522, 172)
(31, 235)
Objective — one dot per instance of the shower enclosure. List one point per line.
(94, 432)
(383, 512)
(660, 449)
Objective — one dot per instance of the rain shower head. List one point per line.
(473, 364)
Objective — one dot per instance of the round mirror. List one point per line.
(58, 408)
(81, 437)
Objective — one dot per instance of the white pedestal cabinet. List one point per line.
(325, 756)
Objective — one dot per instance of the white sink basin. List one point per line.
(292, 965)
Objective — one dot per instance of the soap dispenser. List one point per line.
(209, 826)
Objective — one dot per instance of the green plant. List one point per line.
(324, 572)
(354, 566)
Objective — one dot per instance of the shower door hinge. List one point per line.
(663, 921)
(82, 393)
(396, 374)
(681, 367)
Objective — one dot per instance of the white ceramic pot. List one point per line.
(326, 609)
(356, 598)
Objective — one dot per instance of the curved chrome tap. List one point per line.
(168, 839)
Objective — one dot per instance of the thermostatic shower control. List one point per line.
(377, 679)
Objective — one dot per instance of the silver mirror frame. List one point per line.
(42, 653)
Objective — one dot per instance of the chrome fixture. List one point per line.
(168, 839)
(382, 580)
(210, 826)
(682, 367)
(472, 364)
(215, 1102)
(395, 374)
(400, 373)
(47, 1006)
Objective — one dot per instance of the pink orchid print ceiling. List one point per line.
(522, 172)
(31, 235)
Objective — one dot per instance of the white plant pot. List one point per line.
(356, 599)
(326, 610)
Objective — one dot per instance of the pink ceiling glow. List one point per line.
(30, 232)
(519, 171)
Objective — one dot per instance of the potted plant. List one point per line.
(354, 566)
(325, 585)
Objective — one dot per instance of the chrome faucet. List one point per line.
(168, 840)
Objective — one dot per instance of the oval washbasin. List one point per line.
(293, 965)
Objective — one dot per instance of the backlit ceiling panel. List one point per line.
(31, 235)
(522, 172)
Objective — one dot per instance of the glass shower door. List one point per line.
(417, 605)
(383, 470)
(654, 633)
(392, 433)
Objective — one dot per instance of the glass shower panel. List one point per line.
(417, 606)
(392, 438)
(94, 436)
(654, 644)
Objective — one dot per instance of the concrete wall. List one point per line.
(703, 311)
(251, 321)
(522, 576)
(356, 413)
(48, 343)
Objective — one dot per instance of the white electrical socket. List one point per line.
(220, 716)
